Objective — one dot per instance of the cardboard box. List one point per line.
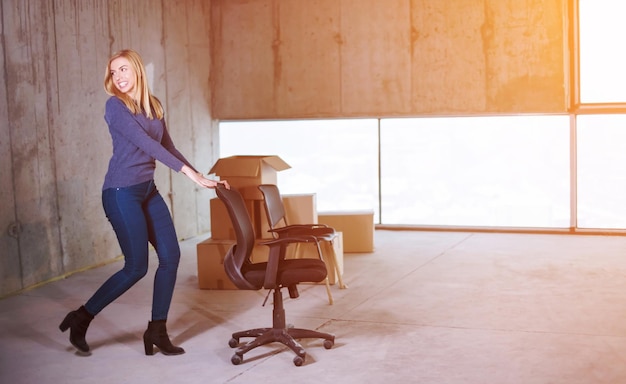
(211, 253)
(245, 173)
(222, 227)
(309, 250)
(299, 209)
(357, 228)
(252, 192)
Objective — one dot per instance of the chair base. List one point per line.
(278, 333)
(287, 337)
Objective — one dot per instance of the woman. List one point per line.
(132, 203)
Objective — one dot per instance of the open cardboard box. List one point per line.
(246, 173)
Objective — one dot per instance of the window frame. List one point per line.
(574, 108)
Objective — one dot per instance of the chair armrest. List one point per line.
(277, 255)
(306, 226)
(320, 233)
(298, 227)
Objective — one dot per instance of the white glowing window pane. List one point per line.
(601, 177)
(335, 159)
(602, 51)
(508, 171)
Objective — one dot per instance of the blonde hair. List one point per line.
(146, 101)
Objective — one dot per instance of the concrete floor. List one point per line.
(425, 307)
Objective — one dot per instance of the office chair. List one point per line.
(279, 227)
(275, 274)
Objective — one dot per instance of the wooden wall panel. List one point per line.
(308, 70)
(396, 58)
(55, 55)
(31, 83)
(448, 58)
(10, 268)
(376, 57)
(187, 58)
(243, 62)
(205, 142)
(178, 104)
(524, 55)
(81, 138)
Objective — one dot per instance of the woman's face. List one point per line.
(123, 76)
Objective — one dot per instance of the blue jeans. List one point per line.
(139, 215)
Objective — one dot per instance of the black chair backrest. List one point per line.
(238, 256)
(274, 207)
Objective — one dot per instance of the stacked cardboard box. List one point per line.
(357, 228)
(245, 174)
(211, 253)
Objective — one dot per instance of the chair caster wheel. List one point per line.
(298, 360)
(236, 359)
(233, 343)
(328, 344)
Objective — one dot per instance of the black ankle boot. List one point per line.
(156, 334)
(78, 322)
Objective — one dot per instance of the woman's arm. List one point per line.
(199, 178)
(168, 143)
(188, 169)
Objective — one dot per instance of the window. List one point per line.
(335, 159)
(601, 171)
(507, 171)
(602, 51)
(601, 134)
(497, 171)
(482, 171)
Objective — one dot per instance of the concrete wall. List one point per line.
(54, 143)
(266, 59)
(356, 58)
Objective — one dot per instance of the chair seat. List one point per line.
(291, 271)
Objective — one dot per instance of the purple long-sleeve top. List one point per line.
(137, 142)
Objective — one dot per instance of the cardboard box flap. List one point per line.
(247, 166)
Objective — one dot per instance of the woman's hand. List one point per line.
(202, 181)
